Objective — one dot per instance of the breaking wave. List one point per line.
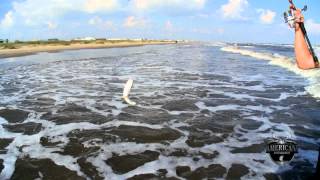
(288, 63)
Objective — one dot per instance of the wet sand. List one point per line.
(33, 49)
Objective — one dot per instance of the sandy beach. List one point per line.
(29, 49)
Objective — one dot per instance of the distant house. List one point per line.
(53, 40)
(137, 39)
(35, 40)
(118, 39)
(85, 39)
(4, 41)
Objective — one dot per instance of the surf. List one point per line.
(288, 63)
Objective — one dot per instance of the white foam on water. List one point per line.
(82, 85)
(239, 96)
(10, 157)
(226, 158)
(117, 123)
(313, 75)
(2, 120)
(39, 152)
(216, 44)
(259, 87)
(58, 133)
(168, 163)
(269, 109)
(256, 136)
(31, 145)
(202, 106)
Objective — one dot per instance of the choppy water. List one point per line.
(204, 111)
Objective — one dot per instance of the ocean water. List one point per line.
(204, 110)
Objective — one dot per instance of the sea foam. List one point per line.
(313, 75)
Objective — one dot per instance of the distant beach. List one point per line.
(29, 48)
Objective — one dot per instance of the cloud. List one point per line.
(168, 26)
(132, 22)
(266, 16)
(220, 30)
(7, 21)
(313, 27)
(202, 15)
(150, 5)
(52, 25)
(39, 12)
(95, 20)
(100, 23)
(234, 9)
(35, 12)
(93, 6)
(208, 31)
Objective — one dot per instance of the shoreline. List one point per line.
(34, 49)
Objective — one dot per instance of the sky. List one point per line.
(257, 21)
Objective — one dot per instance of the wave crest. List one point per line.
(288, 63)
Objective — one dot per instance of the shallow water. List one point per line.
(203, 111)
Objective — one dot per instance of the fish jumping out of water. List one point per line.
(126, 92)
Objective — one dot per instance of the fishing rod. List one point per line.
(290, 19)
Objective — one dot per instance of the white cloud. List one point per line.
(7, 21)
(234, 9)
(51, 25)
(158, 4)
(93, 6)
(168, 26)
(313, 27)
(95, 20)
(39, 12)
(100, 23)
(266, 16)
(132, 21)
(220, 30)
(208, 31)
(203, 15)
(35, 12)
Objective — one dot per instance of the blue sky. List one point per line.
(210, 20)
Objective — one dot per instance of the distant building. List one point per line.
(35, 40)
(4, 41)
(137, 39)
(53, 40)
(118, 39)
(101, 39)
(85, 39)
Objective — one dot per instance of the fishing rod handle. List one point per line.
(303, 28)
(304, 31)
